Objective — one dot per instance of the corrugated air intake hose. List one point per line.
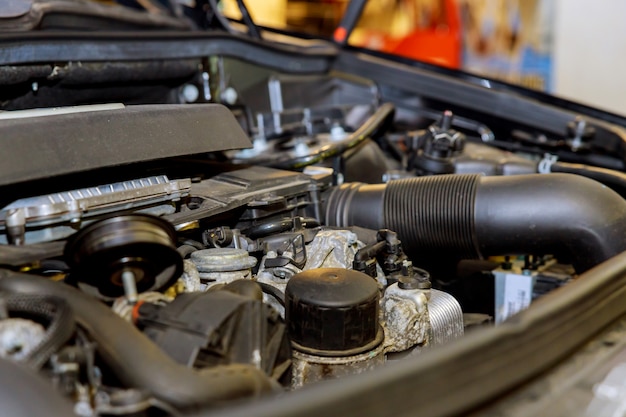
(472, 216)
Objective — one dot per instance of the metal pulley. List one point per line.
(126, 254)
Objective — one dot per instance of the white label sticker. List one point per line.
(513, 294)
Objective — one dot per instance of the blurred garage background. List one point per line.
(575, 49)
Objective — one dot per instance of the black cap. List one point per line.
(332, 312)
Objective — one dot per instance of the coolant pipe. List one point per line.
(569, 216)
(136, 360)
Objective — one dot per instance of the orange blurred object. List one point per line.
(437, 42)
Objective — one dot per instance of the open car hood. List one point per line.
(198, 221)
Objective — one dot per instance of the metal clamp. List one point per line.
(545, 165)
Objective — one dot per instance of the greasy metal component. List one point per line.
(276, 277)
(105, 252)
(308, 369)
(442, 381)
(332, 249)
(223, 265)
(328, 249)
(18, 337)
(191, 277)
(446, 317)
(406, 319)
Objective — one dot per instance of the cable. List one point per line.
(221, 19)
(253, 30)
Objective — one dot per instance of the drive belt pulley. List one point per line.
(125, 255)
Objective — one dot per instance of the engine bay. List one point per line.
(242, 237)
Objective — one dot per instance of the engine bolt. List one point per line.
(130, 286)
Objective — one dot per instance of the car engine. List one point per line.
(221, 239)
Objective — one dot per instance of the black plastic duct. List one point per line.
(574, 218)
(136, 360)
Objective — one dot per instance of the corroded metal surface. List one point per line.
(191, 277)
(406, 321)
(309, 369)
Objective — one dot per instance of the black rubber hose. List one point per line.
(569, 216)
(441, 213)
(615, 180)
(428, 213)
(57, 315)
(278, 226)
(136, 360)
